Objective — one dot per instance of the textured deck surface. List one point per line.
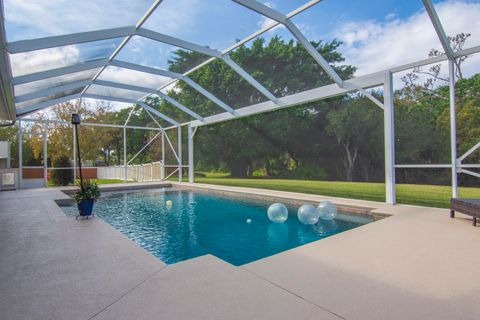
(416, 264)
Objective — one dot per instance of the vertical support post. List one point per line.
(162, 164)
(125, 176)
(8, 156)
(191, 167)
(20, 154)
(389, 130)
(45, 155)
(453, 128)
(180, 161)
(74, 154)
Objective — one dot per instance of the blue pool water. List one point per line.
(200, 223)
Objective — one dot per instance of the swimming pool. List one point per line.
(204, 223)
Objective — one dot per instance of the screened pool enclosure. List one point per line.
(37, 72)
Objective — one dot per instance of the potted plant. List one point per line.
(86, 197)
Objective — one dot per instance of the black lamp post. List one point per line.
(76, 122)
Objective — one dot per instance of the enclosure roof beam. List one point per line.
(303, 97)
(252, 36)
(153, 118)
(141, 68)
(209, 52)
(279, 17)
(96, 35)
(109, 98)
(180, 106)
(7, 101)
(208, 95)
(89, 124)
(165, 73)
(432, 13)
(314, 53)
(62, 40)
(469, 152)
(45, 104)
(89, 65)
(127, 38)
(472, 173)
(130, 115)
(90, 36)
(122, 64)
(55, 41)
(350, 86)
(247, 77)
(372, 98)
(126, 100)
(149, 90)
(125, 86)
(52, 90)
(92, 64)
(263, 10)
(436, 59)
(153, 35)
(103, 63)
(68, 39)
(158, 114)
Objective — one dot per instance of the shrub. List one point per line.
(90, 191)
(62, 177)
(309, 172)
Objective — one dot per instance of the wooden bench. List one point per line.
(469, 207)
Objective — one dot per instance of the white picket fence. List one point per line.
(138, 172)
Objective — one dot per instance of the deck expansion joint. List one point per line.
(293, 293)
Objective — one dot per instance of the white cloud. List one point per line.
(34, 61)
(142, 79)
(173, 16)
(147, 52)
(39, 18)
(170, 87)
(264, 22)
(270, 4)
(373, 46)
(390, 16)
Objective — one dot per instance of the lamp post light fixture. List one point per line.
(76, 121)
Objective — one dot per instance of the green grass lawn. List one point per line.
(423, 195)
(109, 181)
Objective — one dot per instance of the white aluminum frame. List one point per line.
(389, 140)
(339, 87)
(191, 164)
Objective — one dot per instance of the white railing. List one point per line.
(138, 172)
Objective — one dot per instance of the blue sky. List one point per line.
(377, 34)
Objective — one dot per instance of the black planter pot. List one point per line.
(85, 207)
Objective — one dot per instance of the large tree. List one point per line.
(357, 126)
(283, 67)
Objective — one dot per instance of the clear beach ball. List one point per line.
(308, 214)
(327, 210)
(277, 213)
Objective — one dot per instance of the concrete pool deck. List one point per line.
(416, 264)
